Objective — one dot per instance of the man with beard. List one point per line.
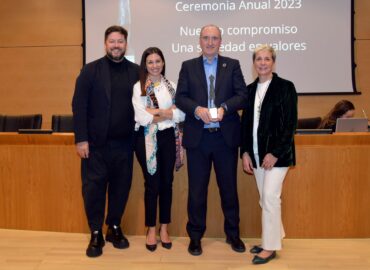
(103, 118)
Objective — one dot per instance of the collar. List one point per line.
(205, 60)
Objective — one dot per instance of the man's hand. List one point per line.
(203, 114)
(82, 149)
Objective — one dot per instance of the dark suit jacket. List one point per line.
(277, 124)
(192, 91)
(91, 100)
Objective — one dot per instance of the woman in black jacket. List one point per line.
(268, 125)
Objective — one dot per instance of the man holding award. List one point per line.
(211, 90)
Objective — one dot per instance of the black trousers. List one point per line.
(158, 187)
(212, 149)
(108, 169)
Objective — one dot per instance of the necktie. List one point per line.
(211, 91)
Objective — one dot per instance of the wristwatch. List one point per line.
(224, 106)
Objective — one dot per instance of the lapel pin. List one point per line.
(224, 65)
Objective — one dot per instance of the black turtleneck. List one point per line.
(121, 123)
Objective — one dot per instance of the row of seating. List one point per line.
(309, 123)
(64, 122)
(12, 123)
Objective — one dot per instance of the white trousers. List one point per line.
(270, 184)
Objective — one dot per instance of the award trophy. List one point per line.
(213, 112)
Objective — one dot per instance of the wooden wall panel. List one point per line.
(362, 19)
(38, 80)
(41, 55)
(326, 195)
(362, 50)
(326, 173)
(40, 23)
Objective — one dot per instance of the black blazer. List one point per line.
(192, 91)
(91, 100)
(277, 124)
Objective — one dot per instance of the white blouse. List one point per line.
(260, 95)
(143, 118)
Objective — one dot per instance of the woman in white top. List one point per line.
(158, 141)
(267, 150)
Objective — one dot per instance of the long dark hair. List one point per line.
(143, 73)
(338, 111)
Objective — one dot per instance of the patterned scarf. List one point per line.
(150, 131)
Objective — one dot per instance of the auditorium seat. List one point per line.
(1, 122)
(11, 123)
(62, 123)
(308, 123)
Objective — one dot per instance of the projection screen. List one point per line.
(313, 38)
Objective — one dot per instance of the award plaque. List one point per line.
(213, 112)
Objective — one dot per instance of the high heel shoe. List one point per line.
(150, 247)
(166, 245)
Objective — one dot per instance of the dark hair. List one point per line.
(115, 28)
(338, 111)
(143, 73)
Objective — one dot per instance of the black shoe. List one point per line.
(236, 244)
(166, 245)
(115, 236)
(150, 247)
(259, 260)
(255, 249)
(195, 248)
(95, 247)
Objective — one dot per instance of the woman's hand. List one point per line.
(153, 111)
(269, 161)
(166, 113)
(247, 163)
(161, 114)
